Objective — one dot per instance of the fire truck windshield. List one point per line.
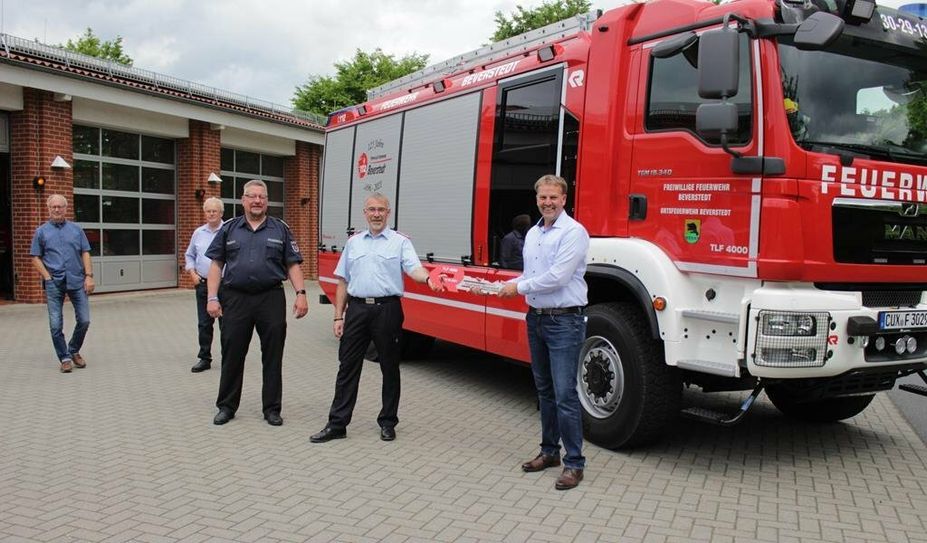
(858, 97)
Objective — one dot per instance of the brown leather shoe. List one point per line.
(540, 463)
(66, 366)
(79, 361)
(569, 479)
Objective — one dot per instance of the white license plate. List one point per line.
(902, 320)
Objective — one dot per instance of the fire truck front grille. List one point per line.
(882, 232)
(891, 298)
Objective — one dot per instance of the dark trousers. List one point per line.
(381, 323)
(242, 312)
(205, 323)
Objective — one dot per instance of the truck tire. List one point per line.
(628, 393)
(794, 406)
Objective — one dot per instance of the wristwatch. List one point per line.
(301, 291)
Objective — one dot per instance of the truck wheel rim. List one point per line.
(601, 379)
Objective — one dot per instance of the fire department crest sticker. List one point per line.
(693, 230)
(362, 166)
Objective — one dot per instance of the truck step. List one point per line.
(706, 415)
(914, 389)
(723, 419)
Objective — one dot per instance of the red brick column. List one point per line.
(197, 157)
(38, 133)
(301, 202)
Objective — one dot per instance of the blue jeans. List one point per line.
(54, 294)
(555, 342)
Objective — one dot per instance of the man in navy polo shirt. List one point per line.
(258, 253)
(61, 254)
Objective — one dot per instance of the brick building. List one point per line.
(140, 151)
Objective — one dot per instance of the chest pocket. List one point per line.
(273, 250)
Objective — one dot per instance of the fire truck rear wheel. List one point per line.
(628, 393)
(827, 410)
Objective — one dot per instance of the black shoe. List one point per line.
(222, 417)
(202, 365)
(327, 434)
(274, 419)
(387, 433)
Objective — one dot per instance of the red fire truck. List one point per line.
(753, 176)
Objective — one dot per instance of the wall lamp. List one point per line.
(38, 183)
(213, 179)
(60, 164)
(200, 193)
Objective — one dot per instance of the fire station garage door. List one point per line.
(125, 200)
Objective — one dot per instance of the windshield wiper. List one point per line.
(848, 151)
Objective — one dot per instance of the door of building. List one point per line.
(6, 213)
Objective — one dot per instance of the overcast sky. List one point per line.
(262, 49)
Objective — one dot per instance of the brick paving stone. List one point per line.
(125, 451)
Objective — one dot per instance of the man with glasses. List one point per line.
(257, 253)
(61, 254)
(368, 307)
(197, 265)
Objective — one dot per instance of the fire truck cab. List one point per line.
(753, 176)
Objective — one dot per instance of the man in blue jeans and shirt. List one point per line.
(61, 254)
(554, 287)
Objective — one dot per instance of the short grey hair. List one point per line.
(378, 196)
(254, 183)
(53, 197)
(214, 200)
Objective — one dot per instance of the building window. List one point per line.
(239, 167)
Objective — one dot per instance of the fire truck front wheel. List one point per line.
(628, 393)
(792, 405)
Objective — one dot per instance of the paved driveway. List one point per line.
(125, 451)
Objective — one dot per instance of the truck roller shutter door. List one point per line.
(376, 164)
(336, 182)
(435, 205)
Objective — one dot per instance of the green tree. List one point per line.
(90, 44)
(324, 94)
(522, 20)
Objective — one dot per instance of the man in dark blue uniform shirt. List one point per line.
(258, 252)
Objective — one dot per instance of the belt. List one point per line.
(375, 301)
(575, 310)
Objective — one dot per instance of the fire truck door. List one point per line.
(532, 131)
(701, 214)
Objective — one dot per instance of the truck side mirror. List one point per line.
(718, 64)
(715, 120)
(818, 31)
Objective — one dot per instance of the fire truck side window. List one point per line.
(526, 146)
(672, 95)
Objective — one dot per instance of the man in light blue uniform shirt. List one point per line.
(554, 287)
(61, 254)
(370, 284)
(197, 265)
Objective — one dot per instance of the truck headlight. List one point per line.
(776, 323)
(792, 339)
